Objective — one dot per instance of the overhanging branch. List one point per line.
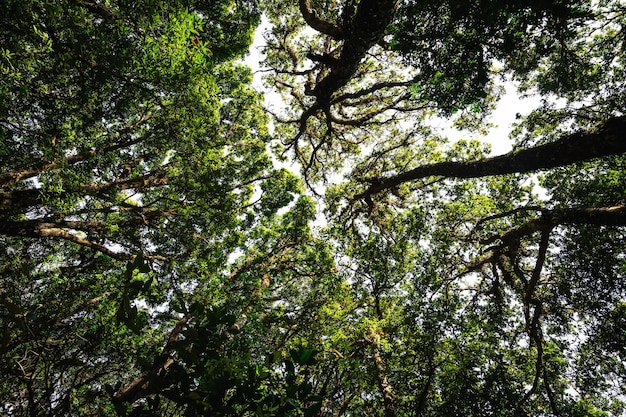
(315, 22)
(608, 140)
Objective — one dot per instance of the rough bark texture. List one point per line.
(609, 140)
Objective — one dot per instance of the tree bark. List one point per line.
(608, 140)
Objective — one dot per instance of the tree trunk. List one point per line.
(362, 31)
(383, 383)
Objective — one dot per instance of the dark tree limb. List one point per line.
(608, 140)
(598, 216)
(315, 22)
(541, 259)
(423, 395)
(151, 381)
(365, 29)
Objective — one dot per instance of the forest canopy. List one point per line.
(157, 259)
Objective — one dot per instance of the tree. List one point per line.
(156, 262)
(105, 107)
(134, 173)
(526, 262)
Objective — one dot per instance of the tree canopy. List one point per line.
(157, 260)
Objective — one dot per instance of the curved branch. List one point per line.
(58, 233)
(58, 229)
(39, 229)
(315, 22)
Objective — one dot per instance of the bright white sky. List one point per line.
(504, 116)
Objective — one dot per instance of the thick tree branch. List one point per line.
(384, 385)
(156, 178)
(65, 235)
(98, 9)
(38, 229)
(420, 401)
(17, 200)
(599, 216)
(541, 259)
(365, 29)
(608, 140)
(315, 22)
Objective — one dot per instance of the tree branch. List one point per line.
(65, 235)
(365, 29)
(315, 22)
(608, 140)
(150, 381)
(38, 229)
(13, 177)
(599, 216)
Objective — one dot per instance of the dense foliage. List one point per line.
(155, 259)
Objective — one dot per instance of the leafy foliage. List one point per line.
(155, 260)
